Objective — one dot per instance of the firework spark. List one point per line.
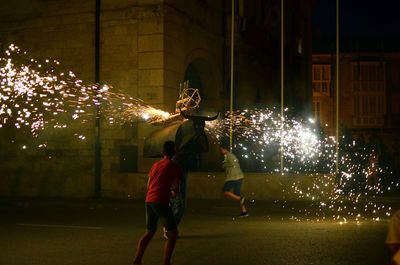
(37, 95)
(261, 135)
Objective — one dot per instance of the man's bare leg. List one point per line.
(142, 245)
(232, 196)
(237, 198)
(169, 246)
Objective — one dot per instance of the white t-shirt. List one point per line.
(232, 167)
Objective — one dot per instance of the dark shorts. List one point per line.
(155, 211)
(233, 185)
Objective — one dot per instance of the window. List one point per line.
(321, 78)
(368, 85)
(317, 110)
(368, 76)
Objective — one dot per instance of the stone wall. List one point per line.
(201, 185)
(145, 48)
(65, 30)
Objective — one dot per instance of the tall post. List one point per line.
(282, 81)
(337, 87)
(97, 147)
(231, 88)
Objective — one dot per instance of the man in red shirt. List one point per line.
(163, 184)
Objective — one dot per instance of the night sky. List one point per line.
(365, 24)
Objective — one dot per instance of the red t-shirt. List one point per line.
(161, 177)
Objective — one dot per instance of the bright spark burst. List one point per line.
(38, 95)
(261, 134)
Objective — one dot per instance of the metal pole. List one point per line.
(282, 80)
(97, 147)
(337, 86)
(231, 89)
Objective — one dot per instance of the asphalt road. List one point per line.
(105, 233)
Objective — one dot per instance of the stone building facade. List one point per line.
(146, 49)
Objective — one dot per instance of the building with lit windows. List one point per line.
(369, 96)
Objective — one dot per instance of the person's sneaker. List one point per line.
(243, 214)
(242, 200)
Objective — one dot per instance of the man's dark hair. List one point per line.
(169, 148)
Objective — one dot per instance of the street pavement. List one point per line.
(93, 232)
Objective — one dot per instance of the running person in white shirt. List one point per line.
(234, 179)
